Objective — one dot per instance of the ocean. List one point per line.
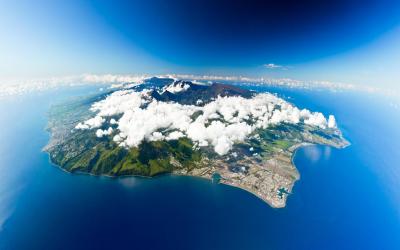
(345, 199)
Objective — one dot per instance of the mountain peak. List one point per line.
(187, 92)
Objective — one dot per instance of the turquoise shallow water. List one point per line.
(345, 199)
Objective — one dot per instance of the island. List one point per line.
(218, 131)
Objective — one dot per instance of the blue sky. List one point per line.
(343, 41)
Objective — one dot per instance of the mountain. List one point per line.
(186, 92)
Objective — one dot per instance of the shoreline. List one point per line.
(255, 194)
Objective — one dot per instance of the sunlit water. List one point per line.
(346, 199)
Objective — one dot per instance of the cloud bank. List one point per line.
(219, 124)
(20, 87)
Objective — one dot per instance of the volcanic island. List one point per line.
(218, 131)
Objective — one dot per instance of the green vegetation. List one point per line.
(81, 151)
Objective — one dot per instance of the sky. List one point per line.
(354, 42)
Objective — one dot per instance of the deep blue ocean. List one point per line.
(345, 199)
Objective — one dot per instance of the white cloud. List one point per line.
(118, 102)
(94, 122)
(100, 133)
(156, 136)
(175, 135)
(176, 87)
(273, 66)
(331, 122)
(222, 122)
(109, 78)
(82, 125)
(11, 87)
(316, 119)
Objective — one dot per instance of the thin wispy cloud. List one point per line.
(275, 66)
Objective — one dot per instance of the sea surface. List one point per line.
(345, 199)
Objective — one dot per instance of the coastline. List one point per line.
(293, 150)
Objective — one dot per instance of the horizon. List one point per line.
(334, 41)
(24, 86)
